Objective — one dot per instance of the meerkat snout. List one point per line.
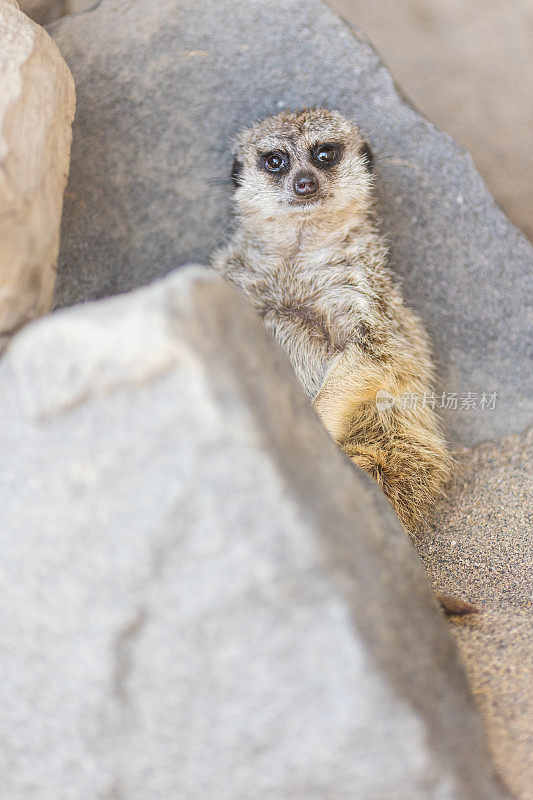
(305, 184)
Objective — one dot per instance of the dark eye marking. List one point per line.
(368, 155)
(276, 162)
(327, 154)
(236, 172)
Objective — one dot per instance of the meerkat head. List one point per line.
(302, 163)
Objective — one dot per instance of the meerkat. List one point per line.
(308, 255)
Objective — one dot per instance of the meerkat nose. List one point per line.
(305, 184)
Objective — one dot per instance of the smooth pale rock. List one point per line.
(164, 85)
(36, 112)
(201, 597)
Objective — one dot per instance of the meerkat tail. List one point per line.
(407, 457)
(401, 448)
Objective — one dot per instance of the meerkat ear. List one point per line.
(369, 155)
(236, 171)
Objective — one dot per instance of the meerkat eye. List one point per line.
(325, 155)
(276, 161)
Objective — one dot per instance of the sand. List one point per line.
(480, 547)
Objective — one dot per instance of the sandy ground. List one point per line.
(468, 66)
(480, 547)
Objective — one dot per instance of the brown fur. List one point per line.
(316, 273)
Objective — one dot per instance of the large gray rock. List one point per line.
(164, 85)
(201, 598)
(45, 11)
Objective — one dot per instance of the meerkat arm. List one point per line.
(352, 380)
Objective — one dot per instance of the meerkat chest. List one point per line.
(318, 292)
(314, 307)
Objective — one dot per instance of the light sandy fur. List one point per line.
(315, 271)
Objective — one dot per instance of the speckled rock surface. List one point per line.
(201, 598)
(163, 87)
(481, 547)
(43, 11)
